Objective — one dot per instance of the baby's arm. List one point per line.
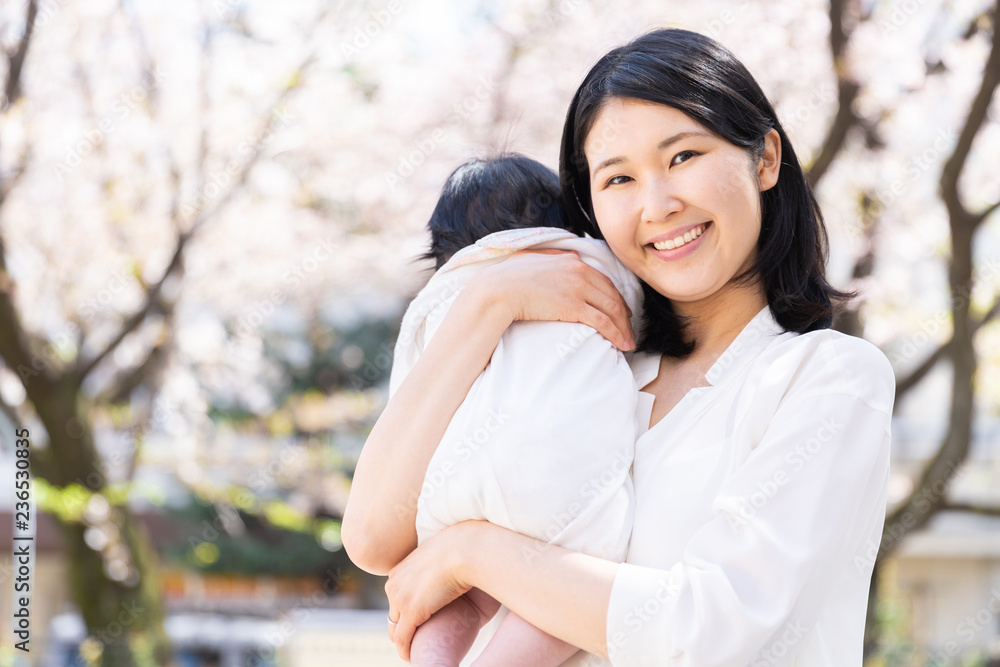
(450, 632)
(518, 642)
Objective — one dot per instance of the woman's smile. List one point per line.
(679, 243)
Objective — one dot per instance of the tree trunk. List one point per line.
(115, 588)
(125, 617)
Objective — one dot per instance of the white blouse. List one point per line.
(760, 502)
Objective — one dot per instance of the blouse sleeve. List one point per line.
(758, 571)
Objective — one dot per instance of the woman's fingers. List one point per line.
(599, 320)
(596, 292)
(419, 586)
(401, 630)
(607, 299)
(392, 624)
(566, 289)
(403, 637)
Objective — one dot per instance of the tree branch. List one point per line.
(12, 89)
(847, 91)
(917, 509)
(148, 369)
(12, 177)
(142, 52)
(904, 385)
(848, 320)
(14, 344)
(987, 212)
(974, 121)
(917, 374)
(838, 33)
(15, 60)
(969, 507)
(10, 413)
(257, 148)
(85, 366)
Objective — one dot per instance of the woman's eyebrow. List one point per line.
(610, 162)
(666, 143)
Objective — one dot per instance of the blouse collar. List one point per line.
(756, 335)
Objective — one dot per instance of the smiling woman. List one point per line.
(761, 464)
(693, 101)
(669, 198)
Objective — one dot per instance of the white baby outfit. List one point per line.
(543, 443)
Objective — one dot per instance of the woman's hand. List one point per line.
(426, 581)
(563, 593)
(557, 285)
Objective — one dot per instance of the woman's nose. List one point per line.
(659, 201)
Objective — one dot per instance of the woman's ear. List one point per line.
(770, 161)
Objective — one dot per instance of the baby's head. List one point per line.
(494, 194)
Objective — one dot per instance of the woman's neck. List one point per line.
(714, 323)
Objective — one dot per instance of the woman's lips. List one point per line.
(681, 239)
(680, 246)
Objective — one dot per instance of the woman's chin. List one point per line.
(685, 294)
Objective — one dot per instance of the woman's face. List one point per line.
(679, 205)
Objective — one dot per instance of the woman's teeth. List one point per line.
(689, 236)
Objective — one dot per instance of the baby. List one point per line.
(544, 441)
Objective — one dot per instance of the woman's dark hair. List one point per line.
(494, 194)
(696, 75)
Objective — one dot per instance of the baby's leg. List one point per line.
(518, 642)
(449, 634)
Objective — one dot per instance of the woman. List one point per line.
(761, 482)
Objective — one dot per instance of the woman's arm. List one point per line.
(561, 592)
(379, 521)
(378, 528)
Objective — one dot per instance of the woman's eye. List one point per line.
(617, 180)
(683, 156)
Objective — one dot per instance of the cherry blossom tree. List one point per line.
(209, 211)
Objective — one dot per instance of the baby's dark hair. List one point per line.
(494, 194)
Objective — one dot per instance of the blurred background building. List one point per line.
(209, 213)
